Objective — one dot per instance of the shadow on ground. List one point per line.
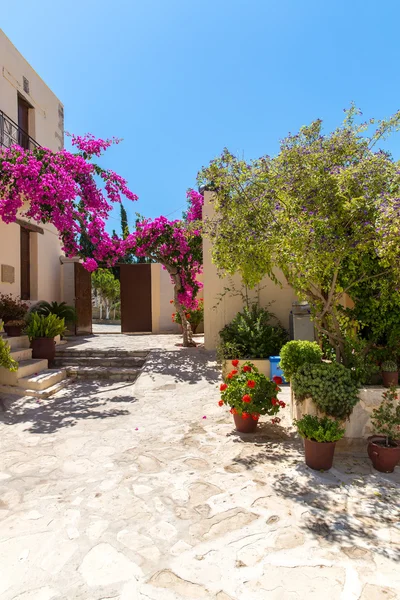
(188, 365)
(78, 401)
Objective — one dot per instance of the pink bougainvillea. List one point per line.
(61, 188)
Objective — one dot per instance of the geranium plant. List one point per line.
(249, 393)
(386, 418)
(194, 315)
(12, 308)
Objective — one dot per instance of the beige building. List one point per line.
(221, 307)
(30, 115)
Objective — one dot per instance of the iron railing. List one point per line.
(11, 134)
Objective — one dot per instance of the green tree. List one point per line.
(315, 213)
(106, 290)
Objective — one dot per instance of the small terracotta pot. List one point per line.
(245, 425)
(319, 455)
(44, 348)
(384, 458)
(13, 330)
(390, 378)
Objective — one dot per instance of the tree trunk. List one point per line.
(186, 328)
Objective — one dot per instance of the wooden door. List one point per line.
(135, 283)
(25, 262)
(23, 123)
(83, 300)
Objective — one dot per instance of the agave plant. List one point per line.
(59, 309)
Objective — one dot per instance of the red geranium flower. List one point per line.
(255, 417)
(251, 383)
(274, 402)
(223, 387)
(221, 403)
(246, 369)
(282, 404)
(233, 411)
(234, 372)
(235, 362)
(230, 375)
(246, 398)
(277, 379)
(245, 415)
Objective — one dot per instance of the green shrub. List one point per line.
(331, 387)
(6, 359)
(386, 418)
(40, 326)
(61, 310)
(252, 335)
(296, 353)
(389, 366)
(319, 429)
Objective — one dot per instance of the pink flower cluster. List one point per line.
(196, 201)
(60, 188)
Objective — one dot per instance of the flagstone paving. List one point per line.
(143, 491)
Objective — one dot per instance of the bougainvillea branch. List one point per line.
(61, 188)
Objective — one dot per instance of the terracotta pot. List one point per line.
(384, 458)
(319, 455)
(44, 348)
(13, 330)
(245, 425)
(390, 378)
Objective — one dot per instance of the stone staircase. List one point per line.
(116, 364)
(33, 377)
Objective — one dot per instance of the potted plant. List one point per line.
(320, 435)
(384, 448)
(254, 334)
(12, 313)
(6, 360)
(41, 331)
(250, 394)
(195, 316)
(390, 373)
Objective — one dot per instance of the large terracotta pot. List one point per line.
(390, 378)
(245, 425)
(319, 455)
(44, 348)
(384, 458)
(13, 330)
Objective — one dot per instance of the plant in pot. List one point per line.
(41, 331)
(254, 334)
(320, 435)
(250, 394)
(384, 448)
(195, 316)
(296, 353)
(390, 373)
(12, 313)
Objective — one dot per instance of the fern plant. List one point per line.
(41, 326)
(251, 334)
(6, 360)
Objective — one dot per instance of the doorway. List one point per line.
(106, 301)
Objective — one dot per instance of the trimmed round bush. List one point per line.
(296, 353)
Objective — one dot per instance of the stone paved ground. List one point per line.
(127, 492)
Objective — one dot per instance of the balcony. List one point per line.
(11, 134)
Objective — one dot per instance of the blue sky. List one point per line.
(181, 79)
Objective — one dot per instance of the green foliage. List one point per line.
(386, 418)
(262, 395)
(62, 310)
(296, 353)
(44, 326)
(195, 316)
(331, 386)
(252, 335)
(12, 308)
(360, 358)
(318, 212)
(319, 429)
(389, 365)
(6, 359)
(107, 287)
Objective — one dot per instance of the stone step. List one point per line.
(46, 393)
(100, 361)
(21, 354)
(26, 368)
(113, 352)
(18, 342)
(113, 373)
(43, 380)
